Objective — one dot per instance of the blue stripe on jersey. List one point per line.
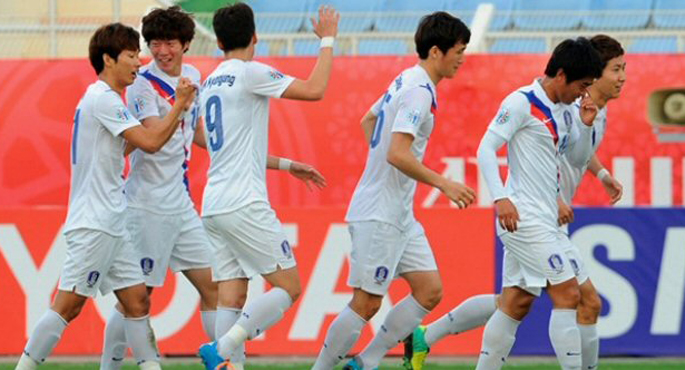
(541, 106)
(165, 86)
(434, 103)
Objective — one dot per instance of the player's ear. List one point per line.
(433, 52)
(561, 76)
(108, 61)
(220, 44)
(186, 46)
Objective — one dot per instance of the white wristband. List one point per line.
(602, 174)
(284, 164)
(327, 42)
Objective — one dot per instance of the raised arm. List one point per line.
(155, 132)
(580, 138)
(315, 86)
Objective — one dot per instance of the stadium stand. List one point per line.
(356, 12)
(403, 16)
(383, 47)
(547, 15)
(617, 14)
(669, 14)
(467, 8)
(653, 45)
(518, 45)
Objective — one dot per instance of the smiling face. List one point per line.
(168, 55)
(613, 78)
(448, 63)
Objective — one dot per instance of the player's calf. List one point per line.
(589, 307)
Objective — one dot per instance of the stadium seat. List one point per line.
(618, 14)
(659, 45)
(356, 15)
(278, 16)
(669, 14)
(271, 48)
(382, 47)
(560, 20)
(501, 20)
(404, 16)
(518, 45)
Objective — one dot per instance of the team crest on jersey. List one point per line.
(556, 263)
(286, 249)
(139, 104)
(147, 264)
(414, 116)
(381, 274)
(568, 120)
(123, 114)
(93, 277)
(503, 116)
(275, 75)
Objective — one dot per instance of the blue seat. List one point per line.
(382, 47)
(355, 15)
(618, 14)
(310, 47)
(659, 45)
(518, 45)
(278, 16)
(563, 17)
(404, 16)
(669, 14)
(271, 48)
(466, 10)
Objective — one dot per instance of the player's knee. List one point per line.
(569, 298)
(69, 313)
(430, 297)
(294, 292)
(210, 296)
(590, 305)
(366, 306)
(137, 306)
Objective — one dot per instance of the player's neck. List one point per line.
(598, 98)
(111, 81)
(548, 84)
(431, 71)
(241, 54)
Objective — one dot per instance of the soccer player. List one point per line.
(475, 311)
(387, 241)
(246, 236)
(99, 256)
(536, 123)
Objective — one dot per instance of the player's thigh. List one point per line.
(377, 248)
(153, 237)
(89, 256)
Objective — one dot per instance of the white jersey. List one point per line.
(234, 102)
(96, 197)
(158, 182)
(384, 193)
(571, 175)
(536, 131)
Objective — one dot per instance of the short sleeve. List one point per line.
(142, 99)
(111, 112)
(266, 81)
(414, 108)
(511, 116)
(376, 107)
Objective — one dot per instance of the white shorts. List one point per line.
(382, 252)
(574, 258)
(176, 241)
(248, 242)
(531, 262)
(98, 261)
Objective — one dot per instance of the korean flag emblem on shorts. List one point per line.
(381, 274)
(286, 249)
(556, 263)
(147, 264)
(93, 277)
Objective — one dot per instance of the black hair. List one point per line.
(440, 29)
(234, 26)
(577, 58)
(607, 47)
(168, 24)
(111, 39)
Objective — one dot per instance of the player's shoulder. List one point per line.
(518, 100)
(191, 72)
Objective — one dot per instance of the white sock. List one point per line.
(226, 317)
(142, 340)
(209, 324)
(257, 317)
(342, 335)
(150, 365)
(565, 338)
(45, 336)
(589, 341)
(115, 345)
(470, 314)
(26, 363)
(400, 322)
(498, 338)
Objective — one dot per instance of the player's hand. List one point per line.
(507, 214)
(588, 109)
(565, 213)
(328, 22)
(613, 188)
(185, 92)
(308, 174)
(459, 193)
